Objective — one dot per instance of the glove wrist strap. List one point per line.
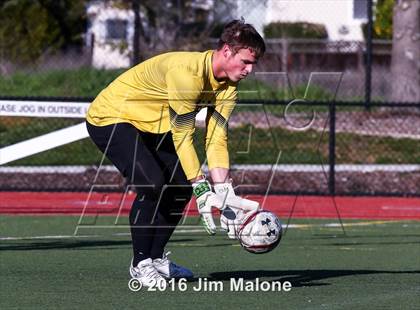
(224, 188)
(201, 187)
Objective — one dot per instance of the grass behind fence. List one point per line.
(88, 82)
(248, 145)
(84, 82)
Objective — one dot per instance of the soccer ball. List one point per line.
(260, 232)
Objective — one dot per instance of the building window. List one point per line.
(360, 9)
(116, 29)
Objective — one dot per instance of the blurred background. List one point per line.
(333, 108)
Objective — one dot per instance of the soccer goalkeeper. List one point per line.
(144, 123)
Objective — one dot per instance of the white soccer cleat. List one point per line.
(147, 274)
(170, 270)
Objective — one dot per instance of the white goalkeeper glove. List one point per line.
(235, 208)
(206, 200)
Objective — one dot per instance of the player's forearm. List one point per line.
(184, 146)
(218, 162)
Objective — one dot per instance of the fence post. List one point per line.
(284, 55)
(136, 36)
(331, 152)
(368, 71)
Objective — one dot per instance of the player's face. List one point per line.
(239, 65)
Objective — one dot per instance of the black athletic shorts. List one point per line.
(148, 161)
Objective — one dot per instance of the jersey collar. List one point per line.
(215, 84)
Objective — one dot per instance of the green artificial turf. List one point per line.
(375, 265)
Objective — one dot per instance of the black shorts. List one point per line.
(148, 161)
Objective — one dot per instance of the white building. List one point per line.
(111, 29)
(110, 32)
(342, 18)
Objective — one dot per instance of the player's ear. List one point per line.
(227, 52)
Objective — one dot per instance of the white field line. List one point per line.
(400, 208)
(53, 169)
(183, 231)
(266, 167)
(379, 134)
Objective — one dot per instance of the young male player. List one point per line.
(144, 122)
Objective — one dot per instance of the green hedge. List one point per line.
(295, 30)
(88, 82)
(83, 82)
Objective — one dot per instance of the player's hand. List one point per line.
(206, 200)
(230, 220)
(235, 209)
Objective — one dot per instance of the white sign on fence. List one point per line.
(43, 108)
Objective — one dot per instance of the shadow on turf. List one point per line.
(318, 236)
(298, 278)
(373, 243)
(345, 241)
(73, 244)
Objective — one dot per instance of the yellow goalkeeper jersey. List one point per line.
(164, 94)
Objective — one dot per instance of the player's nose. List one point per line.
(248, 68)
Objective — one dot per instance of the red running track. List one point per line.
(300, 207)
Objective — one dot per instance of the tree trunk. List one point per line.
(405, 65)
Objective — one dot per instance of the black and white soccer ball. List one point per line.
(260, 232)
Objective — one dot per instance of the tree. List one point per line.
(31, 28)
(405, 65)
(382, 21)
(169, 25)
(382, 25)
(161, 25)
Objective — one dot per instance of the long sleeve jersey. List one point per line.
(164, 94)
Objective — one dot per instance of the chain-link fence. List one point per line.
(319, 116)
(272, 147)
